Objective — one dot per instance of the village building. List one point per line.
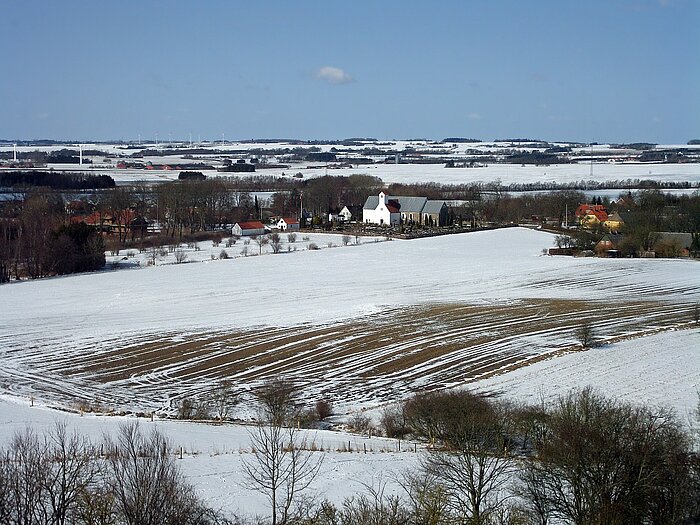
(672, 244)
(392, 211)
(591, 215)
(248, 229)
(435, 213)
(345, 215)
(614, 222)
(381, 210)
(288, 224)
(610, 245)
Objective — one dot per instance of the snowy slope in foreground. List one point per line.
(213, 455)
(663, 369)
(660, 370)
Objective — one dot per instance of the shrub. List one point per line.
(394, 423)
(324, 408)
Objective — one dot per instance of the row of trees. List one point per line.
(62, 478)
(585, 460)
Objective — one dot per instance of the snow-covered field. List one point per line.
(231, 248)
(368, 323)
(662, 369)
(362, 324)
(414, 173)
(658, 370)
(391, 173)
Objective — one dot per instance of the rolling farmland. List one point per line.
(361, 342)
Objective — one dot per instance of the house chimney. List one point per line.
(382, 198)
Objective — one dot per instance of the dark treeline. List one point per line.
(590, 185)
(62, 156)
(37, 240)
(536, 157)
(55, 180)
(30, 236)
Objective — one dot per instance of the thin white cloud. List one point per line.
(474, 116)
(333, 75)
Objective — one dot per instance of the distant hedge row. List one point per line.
(53, 180)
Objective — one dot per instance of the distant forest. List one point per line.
(55, 180)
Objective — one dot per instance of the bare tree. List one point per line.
(223, 399)
(291, 237)
(180, 255)
(58, 479)
(70, 474)
(281, 467)
(148, 488)
(278, 401)
(324, 408)
(564, 241)
(346, 239)
(606, 461)
(261, 241)
(585, 334)
(275, 242)
(475, 466)
(41, 479)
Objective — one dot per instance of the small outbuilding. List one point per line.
(248, 229)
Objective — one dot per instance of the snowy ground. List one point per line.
(245, 247)
(213, 455)
(414, 173)
(360, 323)
(479, 295)
(662, 369)
(391, 173)
(658, 370)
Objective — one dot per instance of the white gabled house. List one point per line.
(345, 214)
(288, 224)
(247, 229)
(381, 210)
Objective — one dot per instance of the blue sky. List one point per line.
(616, 70)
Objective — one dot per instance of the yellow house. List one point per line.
(614, 223)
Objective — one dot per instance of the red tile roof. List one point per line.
(251, 225)
(290, 220)
(592, 209)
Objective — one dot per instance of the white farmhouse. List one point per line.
(380, 210)
(288, 224)
(345, 214)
